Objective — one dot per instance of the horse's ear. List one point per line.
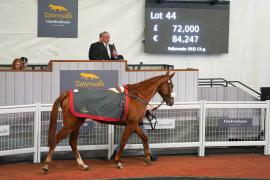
(167, 73)
(171, 76)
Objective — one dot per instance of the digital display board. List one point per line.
(186, 27)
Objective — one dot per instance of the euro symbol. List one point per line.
(155, 38)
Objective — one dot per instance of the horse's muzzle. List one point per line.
(170, 102)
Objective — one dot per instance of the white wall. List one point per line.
(247, 61)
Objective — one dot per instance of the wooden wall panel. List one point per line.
(46, 87)
(55, 82)
(189, 87)
(90, 66)
(28, 88)
(72, 65)
(180, 86)
(224, 94)
(98, 65)
(82, 66)
(195, 85)
(64, 66)
(10, 88)
(132, 77)
(37, 81)
(123, 74)
(3, 89)
(220, 94)
(19, 84)
(157, 97)
(43, 87)
(107, 66)
(116, 66)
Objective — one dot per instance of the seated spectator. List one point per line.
(17, 65)
(24, 61)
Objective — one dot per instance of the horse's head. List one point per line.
(165, 90)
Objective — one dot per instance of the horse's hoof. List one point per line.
(86, 168)
(45, 169)
(119, 165)
(149, 162)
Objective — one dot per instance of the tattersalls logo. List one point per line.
(92, 79)
(57, 8)
(89, 80)
(88, 75)
(57, 15)
(58, 18)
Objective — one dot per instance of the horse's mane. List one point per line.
(146, 82)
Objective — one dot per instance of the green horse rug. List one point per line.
(109, 105)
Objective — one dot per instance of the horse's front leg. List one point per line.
(139, 131)
(127, 132)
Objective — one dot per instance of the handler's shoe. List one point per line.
(153, 158)
(113, 155)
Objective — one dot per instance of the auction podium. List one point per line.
(28, 87)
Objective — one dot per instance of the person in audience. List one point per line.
(24, 61)
(17, 65)
(102, 50)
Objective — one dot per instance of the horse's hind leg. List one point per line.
(64, 132)
(127, 132)
(73, 143)
(144, 138)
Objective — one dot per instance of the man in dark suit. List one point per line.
(102, 50)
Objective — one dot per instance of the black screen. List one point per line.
(186, 27)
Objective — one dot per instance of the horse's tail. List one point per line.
(52, 129)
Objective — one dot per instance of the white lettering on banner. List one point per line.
(161, 124)
(4, 130)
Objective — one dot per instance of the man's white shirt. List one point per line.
(108, 49)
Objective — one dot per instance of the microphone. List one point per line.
(115, 52)
(114, 47)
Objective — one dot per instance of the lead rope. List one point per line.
(151, 117)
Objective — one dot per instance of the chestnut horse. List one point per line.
(140, 94)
